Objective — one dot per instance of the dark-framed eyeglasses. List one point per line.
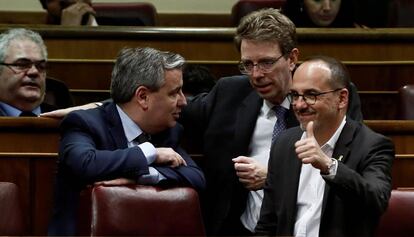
(264, 65)
(24, 65)
(309, 97)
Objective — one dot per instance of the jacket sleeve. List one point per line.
(86, 152)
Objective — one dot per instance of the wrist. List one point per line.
(330, 165)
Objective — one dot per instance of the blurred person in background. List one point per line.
(70, 12)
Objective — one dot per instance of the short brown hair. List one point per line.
(267, 25)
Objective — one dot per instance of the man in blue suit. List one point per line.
(132, 139)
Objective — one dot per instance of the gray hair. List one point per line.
(267, 25)
(137, 67)
(20, 34)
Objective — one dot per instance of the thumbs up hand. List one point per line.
(309, 151)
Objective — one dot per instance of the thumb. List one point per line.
(309, 129)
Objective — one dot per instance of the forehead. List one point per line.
(173, 78)
(254, 50)
(311, 75)
(23, 49)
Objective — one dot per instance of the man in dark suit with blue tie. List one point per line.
(332, 175)
(109, 144)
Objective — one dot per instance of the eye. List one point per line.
(267, 62)
(247, 64)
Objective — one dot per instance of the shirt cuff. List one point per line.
(152, 178)
(149, 151)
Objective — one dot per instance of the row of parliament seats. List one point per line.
(32, 167)
(145, 14)
(399, 11)
(137, 210)
(141, 13)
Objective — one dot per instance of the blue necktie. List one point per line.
(280, 124)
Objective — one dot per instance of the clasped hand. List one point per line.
(250, 172)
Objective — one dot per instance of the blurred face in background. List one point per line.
(322, 12)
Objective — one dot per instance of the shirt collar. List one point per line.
(131, 129)
(14, 112)
(267, 106)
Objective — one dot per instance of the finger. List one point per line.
(244, 175)
(241, 167)
(182, 161)
(242, 159)
(309, 129)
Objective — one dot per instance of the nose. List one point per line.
(33, 69)
(300, 103)
(256, 72)
(326, 5)
(182, 101)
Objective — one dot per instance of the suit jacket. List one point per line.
(225, 119)
(353, 201)
(93, 148)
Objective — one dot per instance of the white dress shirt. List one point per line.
(311, 190)
(260, 149)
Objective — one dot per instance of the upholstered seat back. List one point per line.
(398, 220)
(244, 7)
(406, 104)
(125, 14)
(145, 211)
(11, 216)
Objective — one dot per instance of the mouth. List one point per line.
(305, 115)
(263, 89)
(326, 17)
(176, 115)
(31, 85)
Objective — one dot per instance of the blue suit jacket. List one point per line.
(94, 148)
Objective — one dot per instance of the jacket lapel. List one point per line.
(246, 122)
(341, 151)
(115, 125)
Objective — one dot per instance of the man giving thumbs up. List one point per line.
(332, 175)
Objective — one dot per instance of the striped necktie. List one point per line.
(280, 124)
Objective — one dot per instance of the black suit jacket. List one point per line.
(353, 201)
(93, 148)
(222, 123)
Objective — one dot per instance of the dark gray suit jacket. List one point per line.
(353, 201)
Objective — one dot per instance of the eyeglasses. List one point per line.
(264, 65)
(309, 98)
(24, 65)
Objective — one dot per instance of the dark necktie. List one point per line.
(143, 137)
(280, 124)
(27, 114)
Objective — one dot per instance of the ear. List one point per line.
(293, 59)
(142, 97)
(343, 98)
